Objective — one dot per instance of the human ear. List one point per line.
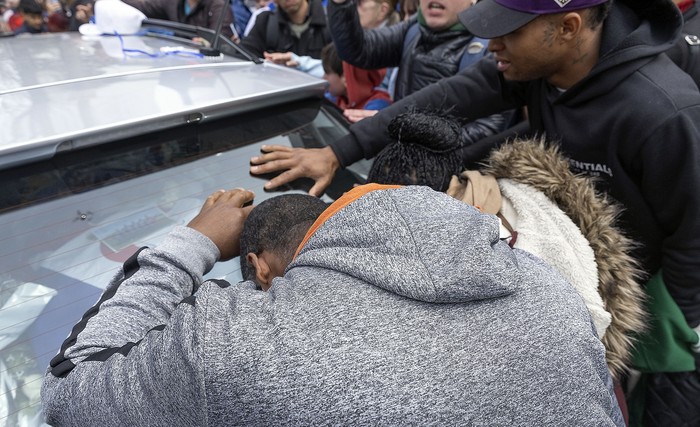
(262, 270)
(570, 25)
(384, 9)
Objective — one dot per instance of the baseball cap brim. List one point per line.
(488, 19)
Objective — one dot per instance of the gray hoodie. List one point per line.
(403, 308)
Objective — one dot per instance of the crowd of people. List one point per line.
(554, 284)
(35, 17)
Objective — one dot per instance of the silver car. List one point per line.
(106, 143)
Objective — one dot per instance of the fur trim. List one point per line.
(541, 165)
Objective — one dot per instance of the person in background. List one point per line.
(81, 13)
(259, 7)
(11, 15)
(203, 13)
(241, 10)
(68, 15)
(32, 14)
(5, 11)
(422, 51)
(57, 15)
(377, 13)
(408, 9)
(353, 87)
(245, 12)
(292, 35)
(425, 49)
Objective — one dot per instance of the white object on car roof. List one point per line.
(114, 17)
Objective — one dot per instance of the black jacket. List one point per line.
(430, 58)
(205, 14)
(684, 53)
(310, 44)
(633, 122)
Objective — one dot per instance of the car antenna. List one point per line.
(213, 52)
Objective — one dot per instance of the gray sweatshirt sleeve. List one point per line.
(136, 351)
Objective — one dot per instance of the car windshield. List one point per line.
(68, 223)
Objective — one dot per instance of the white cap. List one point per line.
(114, 16)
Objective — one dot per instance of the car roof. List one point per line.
(65, 91)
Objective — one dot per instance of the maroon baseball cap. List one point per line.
(495, 18)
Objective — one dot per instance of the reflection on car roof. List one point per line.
(64, 91)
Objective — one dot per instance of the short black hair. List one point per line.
(598, 14)
(30, 7)
(330, 60)
(278, 225)
(425, 151)
(408, 7)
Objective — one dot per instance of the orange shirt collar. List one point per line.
(339, 204)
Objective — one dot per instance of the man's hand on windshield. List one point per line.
(221, 220)
(319, 164)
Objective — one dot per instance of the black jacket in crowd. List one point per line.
(204, 14)
(310, 44)
(429, 58)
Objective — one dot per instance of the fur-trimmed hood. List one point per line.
(542, 166)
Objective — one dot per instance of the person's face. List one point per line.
(442, 14)
(33, 20)
(530, 52)
(336, 84)
(290, 6)
(372, 13)
(409, 9)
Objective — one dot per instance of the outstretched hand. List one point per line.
(221, 220)
(319, 164)
(355, 116)
(281, 58)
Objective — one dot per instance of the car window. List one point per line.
(68, 223)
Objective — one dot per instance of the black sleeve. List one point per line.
(378, 48)
(153, 9)
(214, 10)
(473, 93)
(255, 42)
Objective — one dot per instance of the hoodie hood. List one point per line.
(640, 27)
(633, 34)
(388, 249)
